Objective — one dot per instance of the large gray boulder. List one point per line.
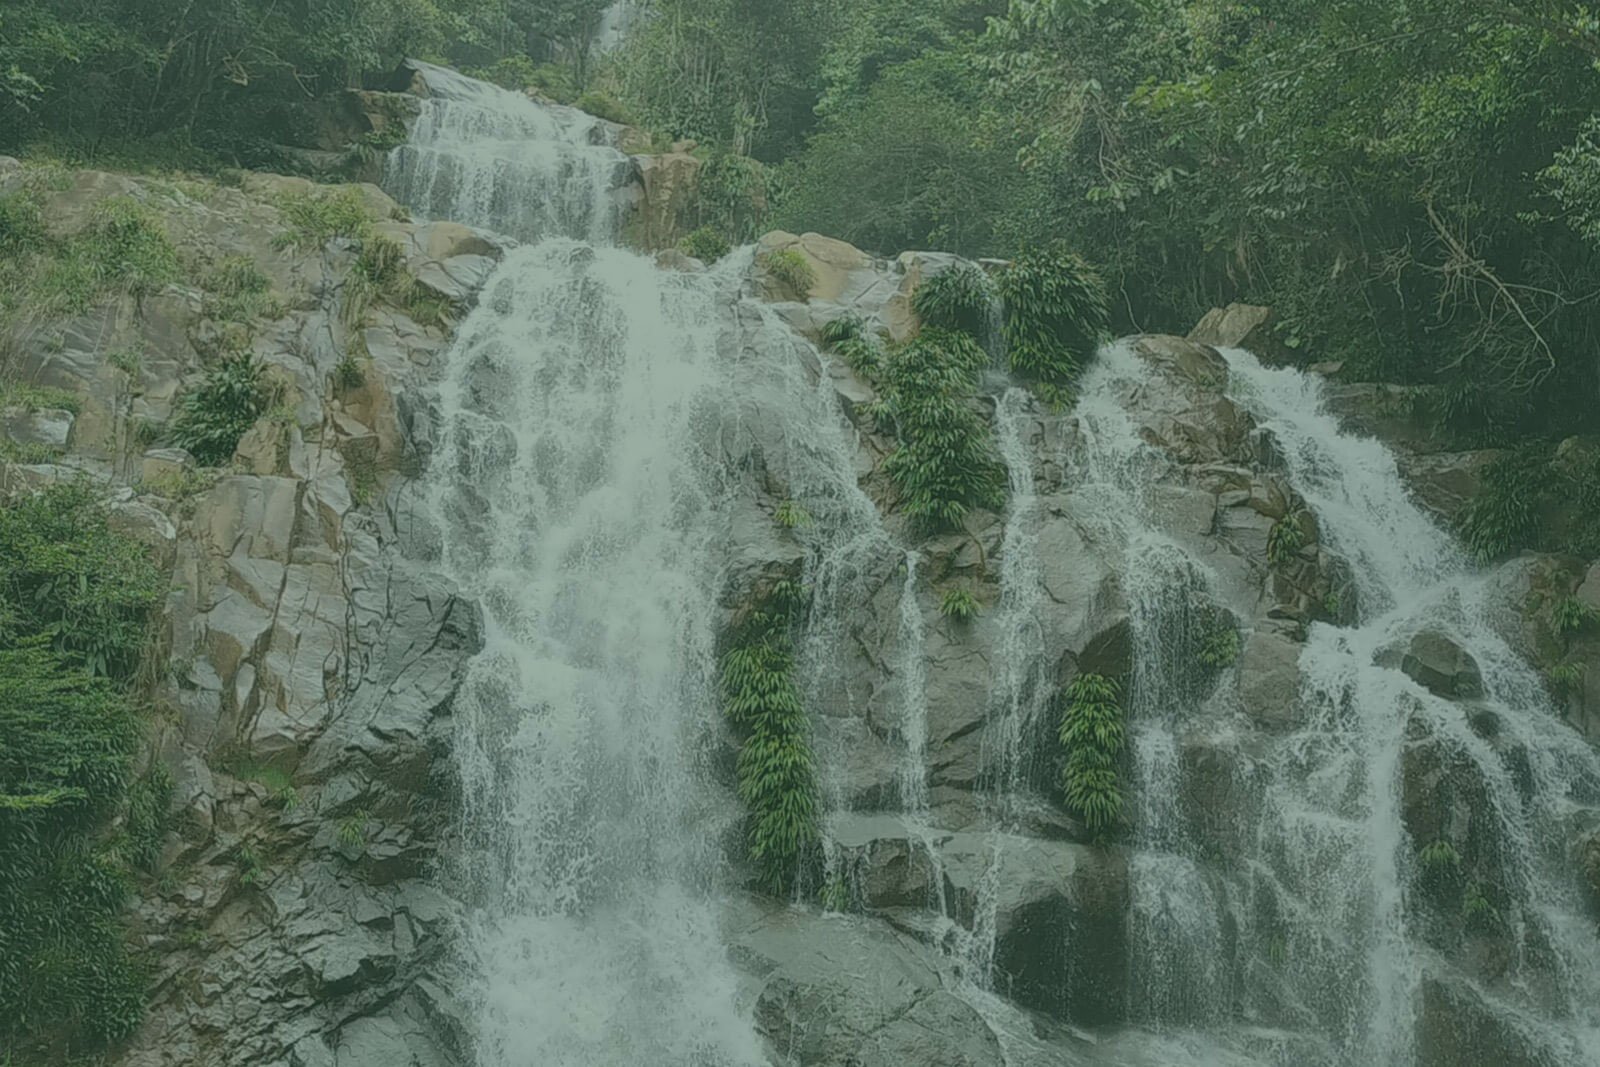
(1434, 661)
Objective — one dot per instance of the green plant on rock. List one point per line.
(961, 298)
(706, 244)
(945, 463)
(1219, 648)
(352, 831)
(347, 373)
(1477, 910)
(791, 268)
(1572, 615)
(67, 579)
(958, 604)
(149, 800)
(845, 328)
(791, 515)
(1504, 515)
(864, 355)
(602, 105)
(212, 418)
(1092, 734)
(1439, 857)
(313, 218)
(777, 779)
(1566, 678)
(32, 398)
(1286, 537)
(1055, 315)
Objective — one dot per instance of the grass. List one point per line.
(37, 397)
(1572, 616)
(791, 268)
(958, 604)
(312, 219)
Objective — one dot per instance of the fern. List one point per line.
(1286, 537)
(959, 604)
(1093, 735)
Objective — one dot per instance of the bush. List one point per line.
(1286, 537)
(1504, 516)
(1055, 316)
(313, 219)
(958, 604)
(706, 244)
(240, 291)
(65, 577)
(74, 599)
(1572, 615)
(603, 105)
(791, 268)
(960, 298)
(122, 248)
(213, 418)
(945, 464)
(836, 332)
(777, 779)
(1092, 734)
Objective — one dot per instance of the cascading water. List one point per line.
(1334, 831)
(492, 158)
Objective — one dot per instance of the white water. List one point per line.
(492, 158)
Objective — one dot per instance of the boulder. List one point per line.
(841, 991)
(671, 184)
(1446, 482)
(1435, 662)
(1247, 326)
(831, 262)
(1458, 1024)
(1060, 919)
(165, 464)
(44, 428)
(1269, 677)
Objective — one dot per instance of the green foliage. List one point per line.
(73, 602)
(958, 604)
(347, 373)
(1504, 516)
(37, 397)
(836, 332)
(706, 244)
(1565, 678)
(945, 463)
(1286, 537)
(239, 291)
(1571, 615)
(791, 515)
(313, 219)
(1055, 316)
(602, 105)
(66, 578)
(959, 298)
(736, 194)
(1093, 736)
(1219, 648)
(1439, 856)
(777, 778)
(863, 354)
(352, 831)
(1477, 909)
(212, 418)
(791, 268)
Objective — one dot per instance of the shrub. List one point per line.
(66, 578)
(836, 332)
(1219, 648)
(1571, 615)
(603, 105)
(312, 219)
(1055, 314)
(777, 779)
(960, 298)
(1286, 537)
(240, 291)
(791, 268)
(863, 354)
(706, 244)
(945, 463)
(347, 373)
(791, 515)
(958, 604)
(1566, 678)
(213, 418)
(123, 247)
(1504, 515)
(1092, 734)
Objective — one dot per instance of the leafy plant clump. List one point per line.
(1504, 516)
(777, 779)
(1286, 537)
(312, 219)
(958, 604)
(791, 515)
(1219, 648)
(945, 463)
(213, 418)
(706, 244)
(839, 331)
(1093, 735)
(791, 268)
(74, 600)
(1572, 615)
(959, 298)
(1056, 313)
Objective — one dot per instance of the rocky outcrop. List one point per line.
(309, 659)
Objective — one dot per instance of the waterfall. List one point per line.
(1332, 815)
(495, 159)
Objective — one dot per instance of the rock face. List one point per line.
(310, 662)
(1439, 665)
